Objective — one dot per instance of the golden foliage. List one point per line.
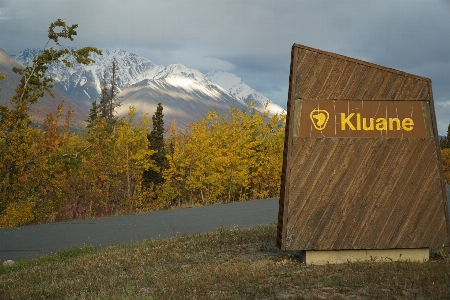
(98, 171)
(222, 158)
(39, 169)
(94, 173)
(445, 154)
(108, 178)
(17, 213)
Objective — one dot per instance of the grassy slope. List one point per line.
(226, 264)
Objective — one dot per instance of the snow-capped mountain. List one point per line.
(141, 82)
(190, 80)
(46, 104)
(242, 91)
(82, 83)
(186, 95)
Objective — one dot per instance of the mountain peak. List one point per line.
(26, 56)
(243, 92)
(224, 79)
(179, 70)
(47, 103)
(82, 83)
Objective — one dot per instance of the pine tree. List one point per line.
(108, 95)
(448, 137)
(156, 142)
(104, 98)
(113, 91)
(93, 115)
(443, 142)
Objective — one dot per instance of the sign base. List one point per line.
(324, 257)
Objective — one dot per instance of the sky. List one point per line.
(252, 39)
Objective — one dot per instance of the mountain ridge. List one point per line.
(141, 82)
(243, 92)
(46, 104)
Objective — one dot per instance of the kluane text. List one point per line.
(354, 122)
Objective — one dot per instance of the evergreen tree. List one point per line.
(156, 143)
(113, 91)
(444, 142)
(93, 115)
(448, 137)
(108, 95)
(103, 97)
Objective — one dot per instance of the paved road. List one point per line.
(31, 241)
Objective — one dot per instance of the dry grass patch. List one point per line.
(226, 264)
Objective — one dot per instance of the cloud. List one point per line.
(214, 63)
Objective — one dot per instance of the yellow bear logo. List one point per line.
(319, 118)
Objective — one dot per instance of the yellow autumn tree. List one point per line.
(109, 175)
(20, 151)
(52, 166)
(39, 189)
(222, 158)
(445, 154)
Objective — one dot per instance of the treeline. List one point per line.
(59, 175)
(222, 158)
(100, 171)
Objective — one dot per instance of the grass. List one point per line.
(229, 263)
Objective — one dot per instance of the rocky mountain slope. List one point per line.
(82, 83)
(243, 92)
(186, 94)
(46, 104)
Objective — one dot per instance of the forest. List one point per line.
(100, 171)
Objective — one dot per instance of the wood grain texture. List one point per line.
(359, 193)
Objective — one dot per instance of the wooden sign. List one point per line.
(363, 119)
(361, 166)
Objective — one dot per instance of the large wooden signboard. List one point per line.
(362, 166)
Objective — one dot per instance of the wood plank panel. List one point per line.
(359, 193)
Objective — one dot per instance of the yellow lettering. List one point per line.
(381, 124)
(408, 124)
(345, 120)
(391, 123)
(370, 127)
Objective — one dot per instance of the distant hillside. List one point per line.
(46, 104)
(186, 94)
